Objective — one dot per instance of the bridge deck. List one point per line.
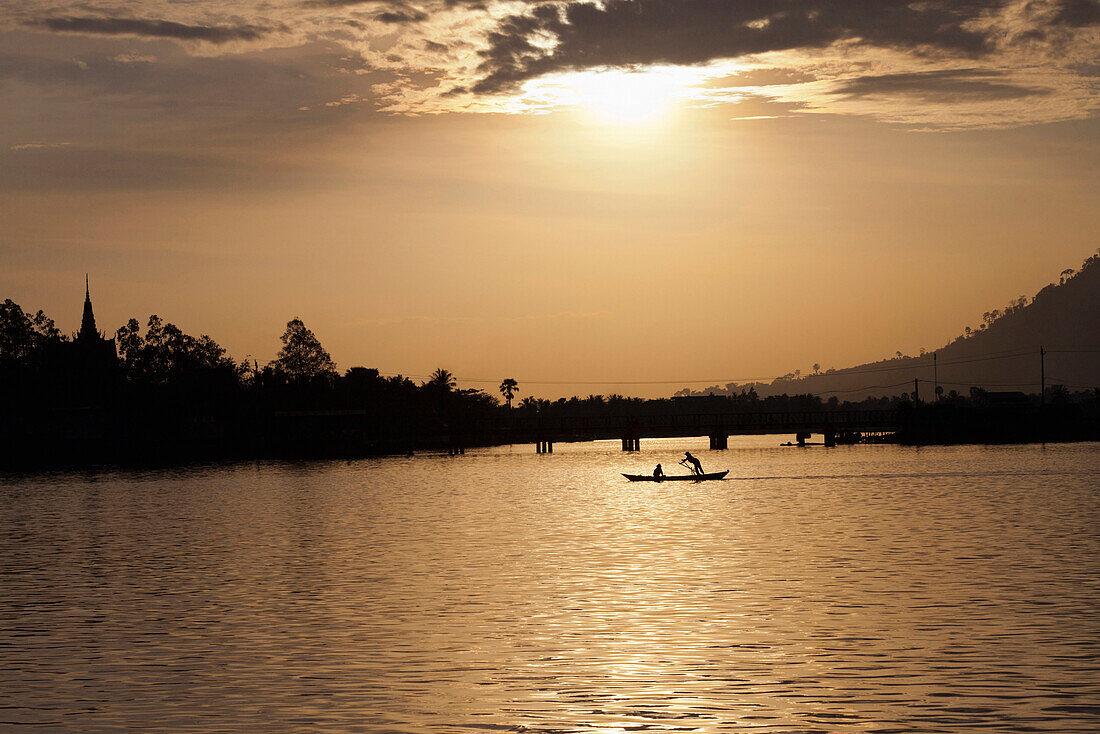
(700, 424)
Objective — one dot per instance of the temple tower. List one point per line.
(93, 347)
(88, 332)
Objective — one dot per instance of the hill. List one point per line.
(1001, 355)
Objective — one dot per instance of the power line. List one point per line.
(991, 356)
(861, 389)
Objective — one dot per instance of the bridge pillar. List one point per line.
(632, 443)
(544, 447)
(719, 441)
(830, 438)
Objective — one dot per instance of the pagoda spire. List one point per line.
(87, 323)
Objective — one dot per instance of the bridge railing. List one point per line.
(706, 422)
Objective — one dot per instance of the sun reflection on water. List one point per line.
(860, 589)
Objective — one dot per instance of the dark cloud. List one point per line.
(951, 86)
(111, 26)
(636, 32)
(230, 98)
(1078, 13)
(402, 16)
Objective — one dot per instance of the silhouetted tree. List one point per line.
(442, 381)
(531, 404)
(165, 354)
(473, 398)
(21, 335)
(302, 357)
(508, 388)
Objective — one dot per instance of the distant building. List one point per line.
(90, 370)
(90, 346)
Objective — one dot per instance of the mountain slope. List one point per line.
(1063, 319)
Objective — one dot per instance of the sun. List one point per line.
(633, 97)
(626, 97)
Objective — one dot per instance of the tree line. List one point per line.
(160, 361)
(172, 396)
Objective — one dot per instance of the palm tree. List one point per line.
(509, 388)
(442, 380)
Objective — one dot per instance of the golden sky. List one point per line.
(629, 190)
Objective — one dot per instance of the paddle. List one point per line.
(690, 467)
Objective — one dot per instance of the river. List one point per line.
(850, 589)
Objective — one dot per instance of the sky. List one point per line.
(626, 196)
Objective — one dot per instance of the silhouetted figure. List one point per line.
(695, 465)
(658, 473)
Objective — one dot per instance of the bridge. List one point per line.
(834, 425)
(350, 430)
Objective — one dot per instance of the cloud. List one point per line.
(345, 100)
(618, 33)
(132, 57)
(926, 62)
(115, 26)
(949, 85)
(402, 16)
(1078, 13)
(36, 146)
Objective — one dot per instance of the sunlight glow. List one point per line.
(616, 96)
(627, 98)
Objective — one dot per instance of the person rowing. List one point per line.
(658, 473)
(692, 463)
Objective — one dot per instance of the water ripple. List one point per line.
(861, 589)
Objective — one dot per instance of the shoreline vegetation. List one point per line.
(156, 395)
(90, 438)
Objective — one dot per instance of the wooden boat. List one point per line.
(677, 477)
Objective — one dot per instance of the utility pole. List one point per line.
(916, 391)
(1042, 377)
(935, 377)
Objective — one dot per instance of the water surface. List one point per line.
(861, 589)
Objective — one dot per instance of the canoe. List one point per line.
(677, 477)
